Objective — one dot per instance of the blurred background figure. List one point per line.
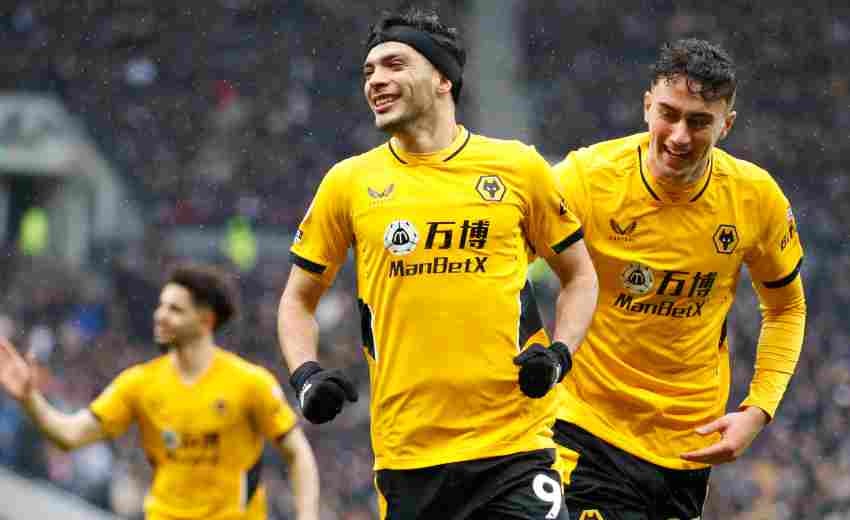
(134, 134)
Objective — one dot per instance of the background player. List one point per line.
(670, 220)
(202, 412)
(443, 223)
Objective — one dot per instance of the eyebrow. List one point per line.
(382, 59)
(689, 114)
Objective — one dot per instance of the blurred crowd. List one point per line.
(212, 109)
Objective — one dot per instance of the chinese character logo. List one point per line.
(623, 231)
(472, 234)
(491, 188)
(381, 194)
(637, 278)
(726, 239)
(400, 237)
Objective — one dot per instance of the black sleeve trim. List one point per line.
(782, 282)
(570, 240)
(305, 264)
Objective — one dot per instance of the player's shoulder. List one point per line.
(744, 174)
(506, 148)
(611, 155)
(353, 167)
(141, 372)
(242, 369)
(605, 160)
(378, 155)
(524, 166)
(147, 368)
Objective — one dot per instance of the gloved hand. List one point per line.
(542, 368)
(321, 393)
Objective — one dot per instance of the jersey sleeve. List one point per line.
(325, 234)
(271, 412)
(568, 176)
(551, 226)
(114, 407)
(775, 260)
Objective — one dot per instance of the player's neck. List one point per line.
(682, 182)
(428, 134)
(193, 358)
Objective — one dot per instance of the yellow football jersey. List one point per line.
(654, 364)
(205, 439)
(441, 243)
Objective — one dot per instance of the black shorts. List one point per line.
(608, 483)
(522, 486)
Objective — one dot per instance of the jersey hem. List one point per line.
(499, 450)
(622, 443)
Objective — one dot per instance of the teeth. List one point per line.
(383, 100)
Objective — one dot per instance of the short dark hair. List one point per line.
(209, 287)
(698, 61)
(426, 21)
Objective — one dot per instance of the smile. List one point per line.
(383, 102)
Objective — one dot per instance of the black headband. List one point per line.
(425, 44)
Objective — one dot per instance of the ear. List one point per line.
(728, 122)
(444, 84)
(207, 317)
(647, 104)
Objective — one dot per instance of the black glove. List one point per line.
(321, 393)
(542, 368)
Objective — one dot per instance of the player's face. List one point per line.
(400, 85)
(683, 129)
(177, 320)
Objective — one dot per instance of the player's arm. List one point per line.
(783, 310)
(321, 393)
(775, 267)
(318, 251)
(297, 327)
(542, 368)
(303, 473)
(556, 234)
(578, 294)
(68, 431)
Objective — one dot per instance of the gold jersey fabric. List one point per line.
(655, 363)
(204, 439)
(441, 244)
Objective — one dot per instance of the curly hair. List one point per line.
(708, 69)
(209, 288)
